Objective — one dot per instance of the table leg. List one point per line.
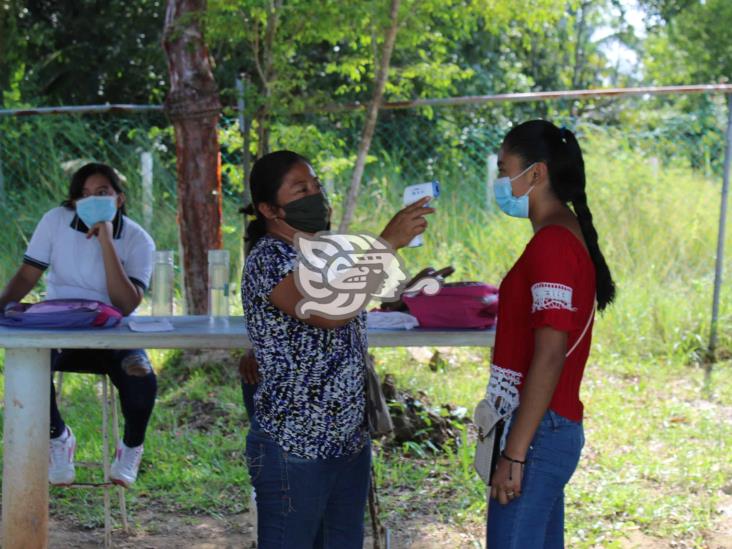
(25, 455)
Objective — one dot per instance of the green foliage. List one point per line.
(83, 51)
(690, 41)
(317, 52)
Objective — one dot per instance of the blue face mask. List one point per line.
(516, 206)
(95, 209)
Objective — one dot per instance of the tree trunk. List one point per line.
(579, 53)
(371, 117)
(264, 61)
(193, 106)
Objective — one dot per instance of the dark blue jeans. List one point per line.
(535, 519)
(307, 503)
(136, 393)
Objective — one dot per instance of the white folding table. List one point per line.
(27, 392)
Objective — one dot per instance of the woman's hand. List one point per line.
(124, 295)
(249, 369)
(407, 223)
(102, 230)
(506, 480)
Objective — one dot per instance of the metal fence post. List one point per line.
(491, 176)
(148, 199)
(655, 163)
(244, 130)
(2, 179)
(245, 157)
(720, 240)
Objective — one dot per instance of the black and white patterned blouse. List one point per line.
(311, 398)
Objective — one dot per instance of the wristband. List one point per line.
(507, 458)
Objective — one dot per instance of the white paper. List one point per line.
(391, 320)
(161, 325)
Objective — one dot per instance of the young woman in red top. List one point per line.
(544, 331)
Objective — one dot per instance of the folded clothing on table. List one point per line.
(390, 320)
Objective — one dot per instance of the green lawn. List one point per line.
(656, 459)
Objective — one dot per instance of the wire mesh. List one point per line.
(453, 144)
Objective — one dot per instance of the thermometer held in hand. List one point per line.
(414, 193)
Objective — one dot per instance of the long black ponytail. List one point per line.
(542, 141)
(264, 182)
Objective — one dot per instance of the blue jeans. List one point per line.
(307, 503)
(535, 519)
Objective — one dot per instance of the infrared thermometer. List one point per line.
(414, 193)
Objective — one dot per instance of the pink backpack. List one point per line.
(61, 313)
(457, 305)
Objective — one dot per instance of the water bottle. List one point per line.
(218, 283)
(162, 284)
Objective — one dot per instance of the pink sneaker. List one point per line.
(126, 464)
(61, 470)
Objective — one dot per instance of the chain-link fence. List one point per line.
(453, 144)
(38, 155)
(648, 157)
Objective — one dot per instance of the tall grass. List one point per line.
(653, 445)
(657, 227)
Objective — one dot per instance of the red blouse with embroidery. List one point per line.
(552, 284)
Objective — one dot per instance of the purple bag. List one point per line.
(61, 313)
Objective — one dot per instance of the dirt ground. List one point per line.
(155, 530)
(163, 531)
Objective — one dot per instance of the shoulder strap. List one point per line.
(582, 335)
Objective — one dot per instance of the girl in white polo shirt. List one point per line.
(92, 250)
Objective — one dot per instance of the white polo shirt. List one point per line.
(75, 264)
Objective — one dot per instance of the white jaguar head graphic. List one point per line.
(339, 273)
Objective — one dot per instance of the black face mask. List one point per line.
(309, 214)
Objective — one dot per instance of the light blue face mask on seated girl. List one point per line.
(516, 206)
(95, 209)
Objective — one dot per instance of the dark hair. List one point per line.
(542, 141)
(76, 189)
(264, 182)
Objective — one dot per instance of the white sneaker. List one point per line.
(61, 470)
(126, 464)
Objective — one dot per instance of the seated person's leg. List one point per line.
(61, 470)
(137, 398)
(58, 427)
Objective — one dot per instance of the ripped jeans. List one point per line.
(307, 503)
(130, 372)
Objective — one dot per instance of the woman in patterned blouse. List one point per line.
(308, 453)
